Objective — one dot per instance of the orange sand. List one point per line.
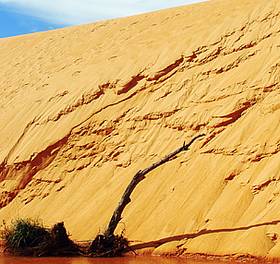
(84, 108)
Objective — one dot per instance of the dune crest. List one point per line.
(84, 108)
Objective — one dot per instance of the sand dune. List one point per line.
(83, 109)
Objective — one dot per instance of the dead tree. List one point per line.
(138, 177)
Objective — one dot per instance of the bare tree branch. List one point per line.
(138, 177)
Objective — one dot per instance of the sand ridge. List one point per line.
(84, 108)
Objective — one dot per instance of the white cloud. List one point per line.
(85, 11)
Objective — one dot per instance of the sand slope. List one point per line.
(82, 109)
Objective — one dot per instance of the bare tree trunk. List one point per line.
(138, 177)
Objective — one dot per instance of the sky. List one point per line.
(27, 16)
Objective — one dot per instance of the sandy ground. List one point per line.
(83, 109)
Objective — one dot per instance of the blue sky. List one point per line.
(27, 16)
(12, 23)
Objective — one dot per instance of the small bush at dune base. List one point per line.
(26, 237)
(23, 235)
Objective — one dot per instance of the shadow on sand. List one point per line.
(157, 243)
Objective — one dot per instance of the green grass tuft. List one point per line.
(27, 237)
(23, 235)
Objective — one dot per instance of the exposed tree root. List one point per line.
(108, 246)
